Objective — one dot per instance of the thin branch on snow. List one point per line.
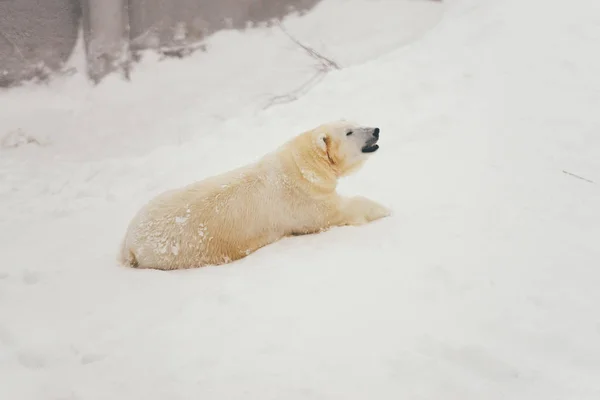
(324, 65)
(577, 176)
(297, 93)
(327, 62)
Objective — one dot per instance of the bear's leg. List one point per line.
(253, 245)
(359, 210)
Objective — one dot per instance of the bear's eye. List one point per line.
(349, 133)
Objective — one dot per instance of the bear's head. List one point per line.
(346, 145)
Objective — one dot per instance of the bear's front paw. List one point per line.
(376, 211)
(361, 210)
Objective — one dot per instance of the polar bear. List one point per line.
(291, 191)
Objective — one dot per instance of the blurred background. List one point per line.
(37, 37)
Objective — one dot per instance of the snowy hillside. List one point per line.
(482, 285)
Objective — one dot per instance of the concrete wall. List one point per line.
(34, 31)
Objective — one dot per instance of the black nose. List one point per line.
(376, 132)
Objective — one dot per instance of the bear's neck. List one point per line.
(314, 169)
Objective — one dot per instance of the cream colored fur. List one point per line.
(290, 191)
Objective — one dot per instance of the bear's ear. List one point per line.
(322, 141)
(328, 144)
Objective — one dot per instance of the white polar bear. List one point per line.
(290, 191)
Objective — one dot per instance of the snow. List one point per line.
(482, 285)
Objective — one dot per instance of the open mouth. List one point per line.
(371, 146)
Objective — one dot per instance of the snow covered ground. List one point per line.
(482, 285)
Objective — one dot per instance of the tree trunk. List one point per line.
(106, 36)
